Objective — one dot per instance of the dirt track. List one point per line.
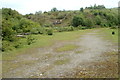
(94, 57)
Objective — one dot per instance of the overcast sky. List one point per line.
(31, 6)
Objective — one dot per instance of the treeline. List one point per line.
(96, 7)
(16, 26)
(93, 16)
(96, 18)
(14, 23)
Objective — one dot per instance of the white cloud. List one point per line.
(31, 6)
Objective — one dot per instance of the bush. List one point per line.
(82, 27)
(77, 20)
(41, 30)
(103, 24)
(17, 44)
(89, 23)
(60, 16)
(114, 27)
(50, 32)
(6, 46)
(30, 40)
(98, 20)
(48, 25)
(72, 28)
(34, 31)
(62, 29)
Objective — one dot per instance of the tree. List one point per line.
(54, 9)
(81, 9)
(77, 20)
(38, 13)
(100, 7)
(95, 6)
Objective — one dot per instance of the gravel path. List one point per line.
(85, 61)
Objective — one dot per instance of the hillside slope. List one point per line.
(101, 17)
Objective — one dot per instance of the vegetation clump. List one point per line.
(50, 32)
(30, 40)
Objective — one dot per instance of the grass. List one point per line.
(112, 53)
(78, 52)
(48, 55)
(46, 41)
(107, 33)
(62, 55)
(61, 62)
(6, 68)
(41, 41)
(67, 47)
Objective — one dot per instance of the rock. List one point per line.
(41, 74)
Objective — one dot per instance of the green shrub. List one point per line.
(78, 20)
(60, 16)
(114, 27)
(72, 28)
(6, 46)
(30, 40)
(50, 32)
(62, 29)
(98, 20)
(17, 44)
(48, 25)
(34, 31)
(104, 24)
(82, 27)
(89, 23)
(41, 30)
